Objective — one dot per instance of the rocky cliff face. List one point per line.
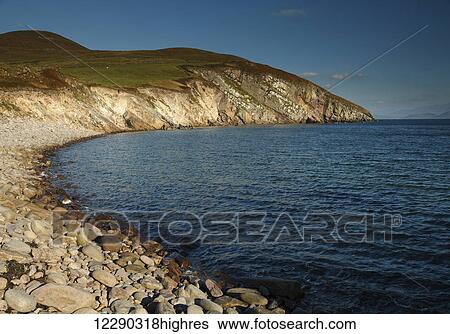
(217, 95)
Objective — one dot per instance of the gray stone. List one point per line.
(230, 311)
(20, 301)
(194, 292)
(194, 309)
(151, 284)
(127, 258)
(139, 296)
(3, 283)
(210, 306)
(8, 255)
(33, 285)
(169, 283)
(138, 310)
(178, 301)
(122, 292)
(164, 308)
(3, 267)
(93, 252)
(58, 278)
(7, 213)
(122, 306)
(254, 298)
(147, 260)
(238, 291)
(65, 298)
(105, 278)
(134, 268)
(278, 310)
(45, 254)
(82, 238)
(3, 305)
(42, 229)
(227, 301)
(213, 288)
(18, 246)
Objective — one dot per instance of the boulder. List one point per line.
(194, 292)
(105, 278)
(238, 291)
(7, 214)
(42, 229)
(151, 284)
(138, 310)
(46, 254)
(213, 288)
(147, 260)
(194, 309)
(3, 306)
(169, 283)
(164, 308)
(3, 283)
(227, 301)
(93, 252)
(122, 306)
(7, 255)
(57, 277)
(134, 268)
(121, 292)
(127, 258)
(210, 306)
(64, 298)
(18, 246)
(254, 298)
(20, 301)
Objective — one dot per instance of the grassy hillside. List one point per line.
(36, 59)
(22, 51)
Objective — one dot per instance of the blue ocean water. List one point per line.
(399, 168)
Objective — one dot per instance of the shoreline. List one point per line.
(75, 273)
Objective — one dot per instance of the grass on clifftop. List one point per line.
(25, 51)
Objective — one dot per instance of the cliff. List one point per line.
(137, 90)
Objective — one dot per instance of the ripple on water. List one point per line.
(388, 167)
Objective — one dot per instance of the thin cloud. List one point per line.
(309, 74)
(290, 12)
(341, 76)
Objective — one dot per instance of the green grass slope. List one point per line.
(36, 59)
(36, 51)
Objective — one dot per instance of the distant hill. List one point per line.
(30, 40)
(439, 111)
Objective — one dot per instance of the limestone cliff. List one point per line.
(224, 90)
(222, 96)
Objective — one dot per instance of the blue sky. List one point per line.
(322, 40)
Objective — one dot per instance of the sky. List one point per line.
(321, 40)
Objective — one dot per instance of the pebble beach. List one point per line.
(48, 267)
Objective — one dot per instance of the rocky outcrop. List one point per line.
(215, 95)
